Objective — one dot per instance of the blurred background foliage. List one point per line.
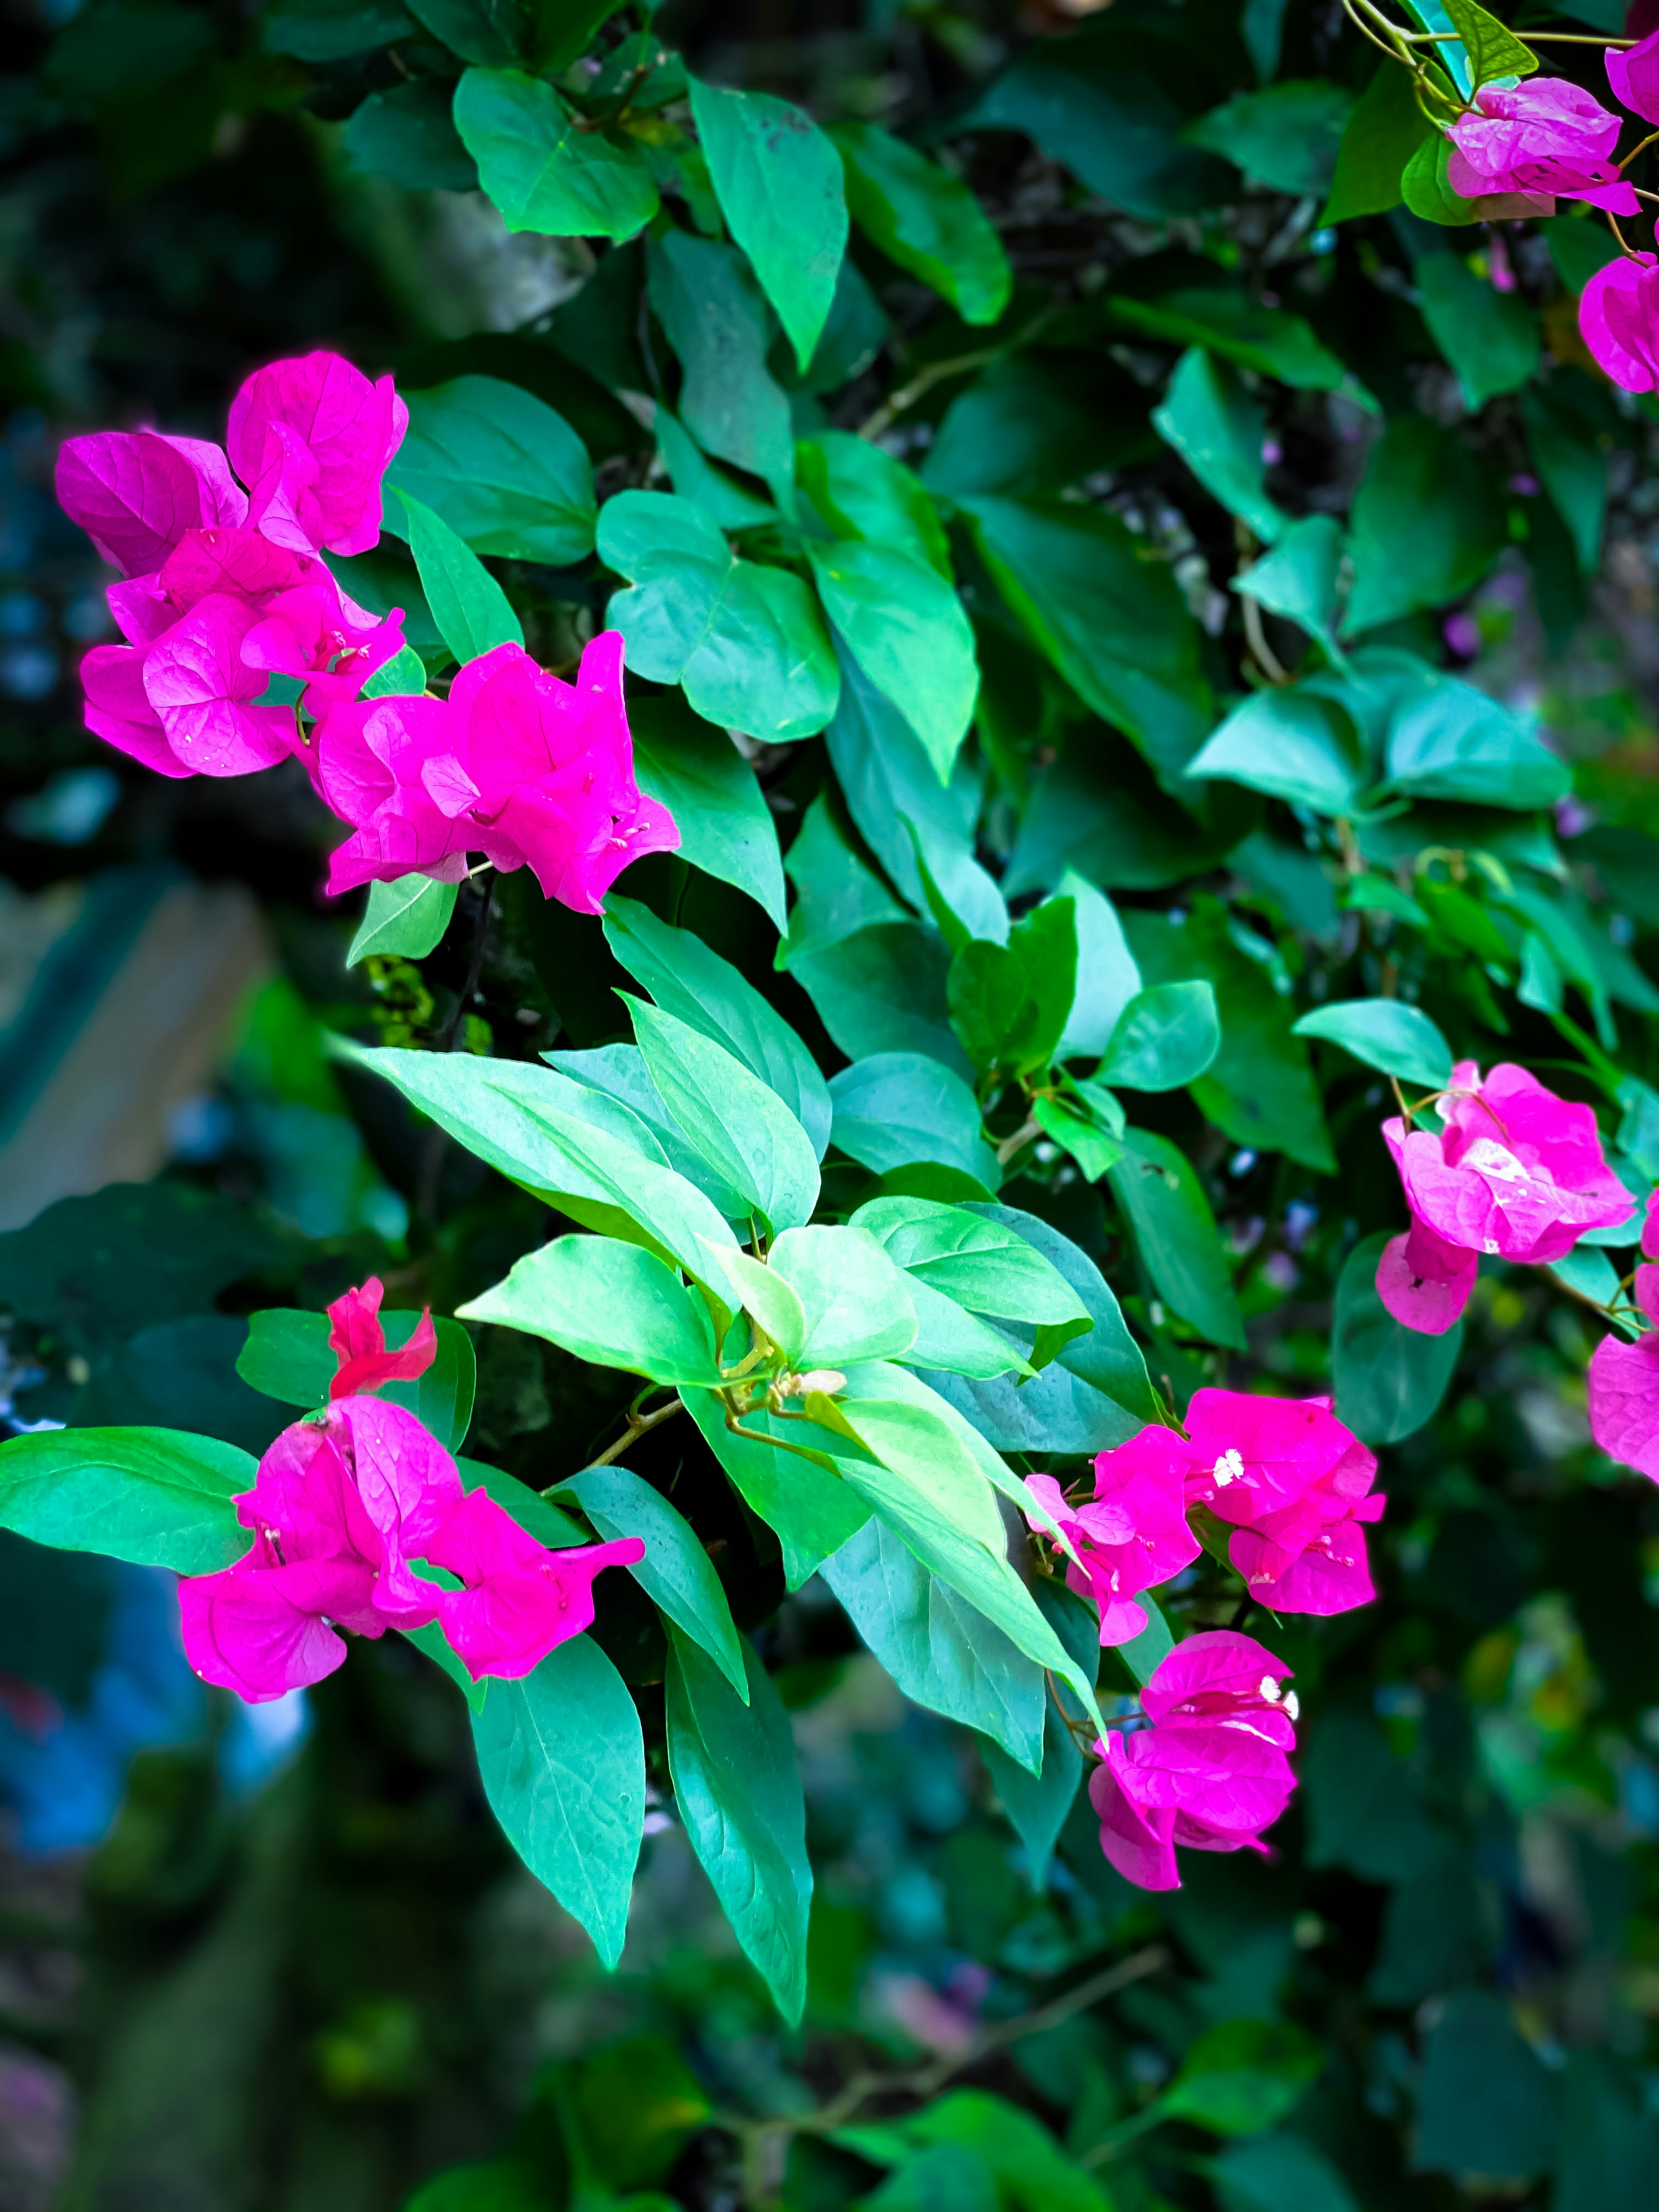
(282, 1958)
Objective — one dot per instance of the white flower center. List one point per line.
(1230, 1468)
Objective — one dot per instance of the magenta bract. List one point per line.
(312, 440)
(1544, 135)
(516, 764)
(1618, 320)
(1514, 1171)
(1211, 1771)
(1622, 1386)
(357, 1340)
(1133, 1534)
(1634, 77)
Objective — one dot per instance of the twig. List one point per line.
(635, 1429)
(1022, 1137)
(1265, 659)
(476, 966)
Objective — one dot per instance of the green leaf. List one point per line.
(1175, 1235)
(403, 676)
(1243, 2076)
(1388, 1379)
(1164, 1037)
(508, 474)
(836, 894)
(562, 1763)
(287, 1356)
(1578, 248)
(893, 1108)
(1036, 1804)
(862, 492)
(1008, 1003)
(1276, 2171)
(939, 1649)
(737, 1122)
(1448, 740)
(1144, 1654)
(1285, 137)
(746, 642)
(1387, 1034)
(1270, 340)
(1107, 976)
(1029, 2169)
(950, 1341)
(925, 219)
(880, 994)
(676, 1573)
(409, 135)
(696, 477)
(1427, 524)
(769, 1301)
(906, 627)
(1260, 1088)
(581, 1152)
(1296, 745)
(708, 300)
(1078, 1131)
(738, 1791)
(1383, 132)
(1492, 49)
(906, 813)
(1218, 430)
(984, 1265)
(406, 919)
(812, 1512)
(470, 607)
(933, 1457)
(329, 32)
(620, 1072)
(1113, 624)
(1568, 451)
(613, 1304)
(857, 1304)
(1485, 2102)
(725, 827)
(1298, 578)
(157, 1498)
(1490, 338)
(779, 186)
(544, 172)
(546, 1522)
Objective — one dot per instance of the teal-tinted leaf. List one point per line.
(1490, 337)
(942, 1653)
(1109, 104)
(726, 826)
(406, 919)
(1096, 812)
(747, 642)
(1107, 976)
(693, 476)
(542, 169)
(983, 1264)
(880, 992)
(1427, 524)
(615, 1304)
(1296, 745)
(1486, 2103)
(1027, 2165)
(1299, 578)
(779, 186)
(812, 1512)
(925, 219)
(1243, 2076)
(863, 493)
(1165, 1038)
(906, 627)
(1387, 1034)
(708, 300)
(1578, 248)
(1385, 130)
(619, 1070)
(893, 1108)
(1270, 340)
(1177, 1237)
(1276, 2171)
(1010, 1003)
(1450, 741)
(469, 606)
(310, 30)
(409, 135)
(737, 1122)
(1389, 1380)
(738, 1791)
(1036, 1804)
(580, 1150)
(1113, 624)
(508, 474)
(158, 1497)
(491, 32)
(1070, 1122)
(697, 986)
(1568, 451)
(1285, 137)
(562, 1763)
(546, 1522)
(836, 893)
(403, 676)
(676, 1573)
(906, 817)
(1037, 422)
(287, 1356)
(1218, 431)
(950, 1341)
(856, 1303)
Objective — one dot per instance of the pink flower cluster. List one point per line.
(1293, 1484)
(1514, 1171)
(224, 587)
(1209, 1770)
(344, 1501)
(1623, 1384)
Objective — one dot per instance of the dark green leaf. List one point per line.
(738, 1792)
(1491, 338)
(471, 609)
(725, 827)
(1569, 454)
(1427, 524)
(1385, 1033)
(706, 297)
(892, 1108)
(562, 1763)
(1008, 1003)
(409, 135)
(1164, 1037)
(508, 474)
(1270, 340)
(311, 30)
(880, 992)
(541, 170)
(1388, 1379)
(676, 1573)
(1217, 429)
(1276, 2171)
(1243, 2076)
(925, 219)
(287, 1356)
(1177, 1237)
(1285, 137)
(1486, 2103)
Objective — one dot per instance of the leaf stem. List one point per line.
(635, 1429)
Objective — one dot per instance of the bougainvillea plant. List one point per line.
(1124, 883)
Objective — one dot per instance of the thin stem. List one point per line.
(735, 1427)
(637, 1428)
(1528, 38)
(1641, 146)
(1029, 1128)
(474, 968)
(1263, 654)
